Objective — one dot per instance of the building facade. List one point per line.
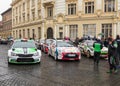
(59, 18)
(7, 23)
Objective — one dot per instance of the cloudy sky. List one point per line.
(4, 5)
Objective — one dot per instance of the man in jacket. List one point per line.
(97, 50)
(112, 56)
(118, 48)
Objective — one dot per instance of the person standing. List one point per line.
(118, 48)
(97, 50)
(112, 57)
(76, 41)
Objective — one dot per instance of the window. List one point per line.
(23, 33)
(106, 30)
(71, 9)
(23, 17)
(33, 3)
(33, 15)
(16, 34)
(28, 33)
(13, 33)
(20, 9)
(39, 32)
(73, 31)
(33, 33)
(89, 7)
(109, 5)
(23, 6)
(60, 32)
(20, 34)
(28, 17)
(89, 30)
(39, 14)
(19, 19)
(50, 11)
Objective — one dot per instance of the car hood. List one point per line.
(24, 50)
(104, 49)
(68, 49)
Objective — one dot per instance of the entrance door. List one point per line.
(49, 33)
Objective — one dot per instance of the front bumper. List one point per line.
(66, 56)
(24, 60)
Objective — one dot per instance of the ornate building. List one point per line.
(7, 23)
(58, 18)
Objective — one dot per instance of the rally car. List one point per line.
(24, 52)
(86, 48)
(62, 50)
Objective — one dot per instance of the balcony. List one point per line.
(48, 2)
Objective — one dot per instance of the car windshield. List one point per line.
(19, 44)
(48, 41)
(64, 44)
(90, 44)
(42, 41)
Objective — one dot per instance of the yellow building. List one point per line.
(59, 18)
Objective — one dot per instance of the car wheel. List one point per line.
(88, 54)
(49, 53)
(8, 60)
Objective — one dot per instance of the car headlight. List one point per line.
(36, 54)
(13, 54)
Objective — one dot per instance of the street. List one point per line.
(56, 73)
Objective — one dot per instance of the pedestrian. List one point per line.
(106, 43)
(76, 41)
(97, 50)
(112, 57)
(118, 47)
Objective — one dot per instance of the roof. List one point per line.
(7, 10)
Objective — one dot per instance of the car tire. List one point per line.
(49, 54)
(88, 54)
(8, 60)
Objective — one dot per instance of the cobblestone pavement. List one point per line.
(52, 73)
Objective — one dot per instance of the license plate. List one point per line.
(71, 55)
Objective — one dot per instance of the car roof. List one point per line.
(23, 40)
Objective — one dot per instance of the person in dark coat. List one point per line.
(106, 43)
(118, 47)
(76, 41)
(112, 57)
(97, 50)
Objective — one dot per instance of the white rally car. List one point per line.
(62, 50)
(86, 47)
(24, 52)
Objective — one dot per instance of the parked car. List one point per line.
(24, 52)
(86, 48)
(40, 44)
(61, 50)
(46, 45)
(3, 41)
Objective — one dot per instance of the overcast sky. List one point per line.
(4, 5)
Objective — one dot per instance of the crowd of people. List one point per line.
(113, 51)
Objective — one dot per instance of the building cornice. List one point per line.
(28, 24)
(90, 18)
(15, 2)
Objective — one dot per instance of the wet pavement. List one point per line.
(56, 73)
